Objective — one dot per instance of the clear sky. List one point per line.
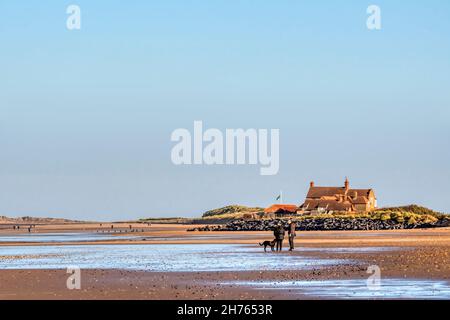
(86, 115)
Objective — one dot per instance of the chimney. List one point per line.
(311, 184)
(346, 184)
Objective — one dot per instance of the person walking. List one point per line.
(291, 234)
(279, 233)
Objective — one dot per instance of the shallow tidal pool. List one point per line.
(358, 289)
(160, 257)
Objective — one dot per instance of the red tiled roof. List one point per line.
(281, 208)
(360, 192)
(317, 192)
(336, 198)
(327, 204)
(360, 200)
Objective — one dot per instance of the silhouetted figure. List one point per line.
(291, 234)
(279, 236)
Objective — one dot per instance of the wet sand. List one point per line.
(412, 254)
(177, 234)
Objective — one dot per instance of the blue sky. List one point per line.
(86, 115)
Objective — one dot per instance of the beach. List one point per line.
(167, 262)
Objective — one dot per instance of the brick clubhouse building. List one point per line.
(321, 199)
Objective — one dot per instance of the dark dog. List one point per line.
(270, 244)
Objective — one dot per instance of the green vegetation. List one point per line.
(411, 214)
(413, 208)
(173, 220)
(233, 211)
(404, 216)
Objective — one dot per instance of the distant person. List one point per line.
(279, 236)
(291, 234)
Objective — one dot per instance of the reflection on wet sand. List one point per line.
(171, 257)
(358, 289)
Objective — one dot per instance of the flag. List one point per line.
(279, 197)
